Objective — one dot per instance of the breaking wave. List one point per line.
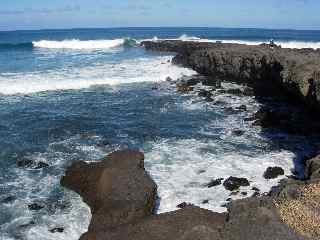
(128, 71)
(71, 44)
(90, 44)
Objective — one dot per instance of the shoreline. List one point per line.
(122, 196)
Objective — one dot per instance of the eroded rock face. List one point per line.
(117, 189)
(256, 217)
(189, 223)
(312, 169)
(269, 70)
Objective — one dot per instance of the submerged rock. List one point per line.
(9, 199)
(204, 93)
(29, 163)
(273, 172)
(238, 132)
(35, 207)
(57, 230)
(184, 205)
(205, 201)
(184, 88)
(41, 165)
(24, 162)
(234, 183)
(242, 108)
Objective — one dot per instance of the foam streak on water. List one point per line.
(128, 71)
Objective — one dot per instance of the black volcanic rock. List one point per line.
(35, 207)
(57, 230)
(273, 172)
(215, 182)
(204, 93)
(24, 162)
(267, 70)
(234, 183)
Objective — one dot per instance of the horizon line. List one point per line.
(96, 28)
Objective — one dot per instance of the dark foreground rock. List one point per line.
(117, 189)
(122, 196)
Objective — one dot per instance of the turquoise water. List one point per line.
(69, 95)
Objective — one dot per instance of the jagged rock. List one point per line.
(183, 205)
(234, 91)
(242, 108)
(269, 71)
(273, 172)
(184, 88)
(312, 169)
(204, 93)
(234, 183)
(41, 165)
(35, 207)
(24, 162)
(215, 182)
(28, 163)
(57, 230)
(238, 132)
(117, 189)
(256, 217)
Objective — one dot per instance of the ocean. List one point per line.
(70, 95)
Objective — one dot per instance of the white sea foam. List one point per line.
(177, 167)
(284, 44)
(128, 71)
(78, 44)
(38, 186)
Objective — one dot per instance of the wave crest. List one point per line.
(81, 44)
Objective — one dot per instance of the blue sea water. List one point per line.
(69, 95)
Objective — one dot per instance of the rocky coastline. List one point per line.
(123, 197)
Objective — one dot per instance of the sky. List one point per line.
(52, 14)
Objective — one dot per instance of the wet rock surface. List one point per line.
(273, 172)
(215, 182)
(35, 206)
(234, 183)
